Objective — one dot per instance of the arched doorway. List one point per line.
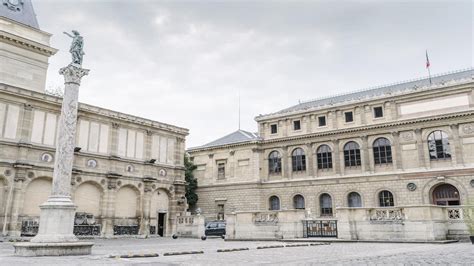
(446, 195)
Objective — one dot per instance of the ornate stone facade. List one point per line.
(408, 119)
(128, 172)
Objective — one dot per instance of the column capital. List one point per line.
(73, 73)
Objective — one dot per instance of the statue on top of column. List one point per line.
(77, 46)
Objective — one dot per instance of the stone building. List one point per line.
(128, 175)
(406, 144)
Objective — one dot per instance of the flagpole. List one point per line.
(428, 64)
(429, 75)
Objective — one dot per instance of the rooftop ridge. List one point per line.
(385, 85)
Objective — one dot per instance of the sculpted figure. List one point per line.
(77, 46)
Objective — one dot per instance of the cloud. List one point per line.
(185, 62)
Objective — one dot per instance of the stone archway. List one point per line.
(88, 198)
(36, 193)
(445, 195)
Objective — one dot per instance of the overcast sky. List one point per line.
(184, 63)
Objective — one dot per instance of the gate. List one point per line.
(320, 228)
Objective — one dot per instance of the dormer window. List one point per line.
(297, 125)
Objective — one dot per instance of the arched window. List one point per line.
(274, 203)
(298, 202)
(325, 203)
(298, 160)
(446, 195)
(438, 145)
(351, 154)
(274, 162)
(382, 151)
(324, 156)
(354, 200)
(386, 199)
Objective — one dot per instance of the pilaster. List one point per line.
(423, 161)
(458, 158)
(397, 149)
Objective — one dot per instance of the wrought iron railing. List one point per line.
(319, 228)
(126, 229)
(29, 227)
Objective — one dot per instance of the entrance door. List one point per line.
(161, 223)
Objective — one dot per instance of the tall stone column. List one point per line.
(55, 235)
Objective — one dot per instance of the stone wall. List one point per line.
(265, 225)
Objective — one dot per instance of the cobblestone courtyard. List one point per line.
(333, 254)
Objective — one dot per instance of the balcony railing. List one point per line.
(454, 213)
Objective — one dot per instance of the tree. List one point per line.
(191, 182)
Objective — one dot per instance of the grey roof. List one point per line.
(239, 136)
(378, 91)
(22, 12)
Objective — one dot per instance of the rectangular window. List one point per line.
(322, 121)
(296, 125)
(220, 213)
(273, 128)
(220, 170)
(349, 117)
(378, 112)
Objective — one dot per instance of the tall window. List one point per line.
(220, 212)
(325, 203)
(274, 162)
(298, 160)
(382, 151)
(221, 170)
(438, 145)
(298, 202)
(351, 154)
(324, 156)
(274, 203)
(354, 200)
(386, 199)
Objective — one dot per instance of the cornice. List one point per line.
(27, 44)
(385, 97)
(371, 127)
(95, 110)
(339, 131)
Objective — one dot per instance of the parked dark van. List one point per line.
(216, 228)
